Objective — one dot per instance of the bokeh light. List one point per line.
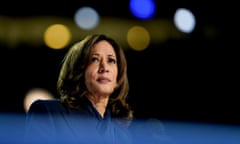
(138, 38)
(57, 36)
(184, 20)
(86, 18)
(142, 9)
(35, 94)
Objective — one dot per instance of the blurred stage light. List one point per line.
(142, 9)
(57, 36)
(184, 20)
(86, 18)
(138, 38)
(35, 94)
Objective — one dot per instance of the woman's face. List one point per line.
(101, 73)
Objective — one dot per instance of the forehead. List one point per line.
(103, 47)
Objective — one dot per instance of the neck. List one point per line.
(99, 102)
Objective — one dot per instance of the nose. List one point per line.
(103, 67)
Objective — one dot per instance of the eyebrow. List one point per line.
(110, 55)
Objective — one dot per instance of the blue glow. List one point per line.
(12, 128)
(143, 9)
(202, 133)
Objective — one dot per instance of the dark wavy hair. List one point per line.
(71, 81)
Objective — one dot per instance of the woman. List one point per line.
(93, 87)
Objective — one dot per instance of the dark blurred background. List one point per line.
(188, 79)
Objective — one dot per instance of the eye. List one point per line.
(112, 61)
(94, 59)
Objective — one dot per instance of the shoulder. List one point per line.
(51, 105)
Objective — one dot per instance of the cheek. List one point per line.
(89, 74)
(88, 79)
(90, 71)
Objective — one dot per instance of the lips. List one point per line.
(103, 79)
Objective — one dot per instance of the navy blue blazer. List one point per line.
(49, 121)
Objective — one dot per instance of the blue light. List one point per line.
(142, 9)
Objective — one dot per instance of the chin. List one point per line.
(105, 92)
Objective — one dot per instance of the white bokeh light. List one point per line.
(35, 94)
(86, 18)
(184, 20)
